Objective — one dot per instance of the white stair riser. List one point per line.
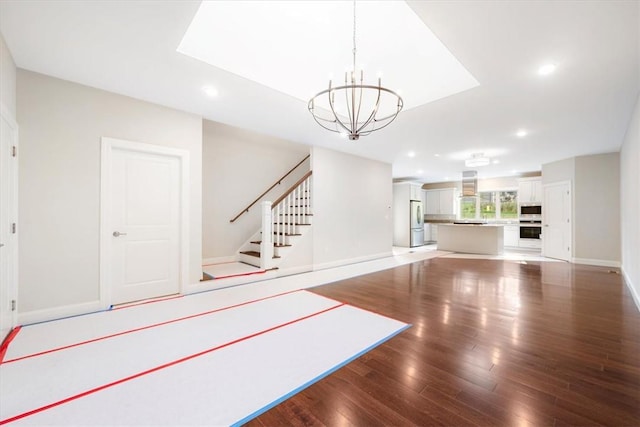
(251, 260)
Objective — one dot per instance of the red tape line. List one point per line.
(5, 344)
(240, 274)
(160, 367)
(143, 328)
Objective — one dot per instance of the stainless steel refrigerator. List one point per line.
(416, 223)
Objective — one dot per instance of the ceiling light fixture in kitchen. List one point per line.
(477, 159)
(359, 110)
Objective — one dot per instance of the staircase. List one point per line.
(284, 222)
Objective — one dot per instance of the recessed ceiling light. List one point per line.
(210, 91)
(496, 161)
(446, 178)
(437, 155)
(215, 37)
(420, 171)
(546, 69)
(411, 154)
(521, 133)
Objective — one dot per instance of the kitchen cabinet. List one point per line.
(530, 190)
(433, 202)
(530, 243)
(441, 202)
(430, 233)
(415, 192)
(511, 235)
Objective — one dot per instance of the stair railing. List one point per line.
(278, 182)
(285, 213)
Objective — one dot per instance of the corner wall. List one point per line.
(630, 204)
(61, 124)
(352, 219)
(7, 79)
(237, 166)
(595, 205)
(597, 209)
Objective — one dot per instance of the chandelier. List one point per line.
(358, 109)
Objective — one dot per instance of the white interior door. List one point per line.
(8, 216)
(556, 231)
(144, 218)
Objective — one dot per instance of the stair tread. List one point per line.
(296, 214)
(284, 223)
(255, 254)
(277, 245)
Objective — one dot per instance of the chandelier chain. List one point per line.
(354, 36)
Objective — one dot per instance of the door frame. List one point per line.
(545, 188)
(12, 175)
(108, 145)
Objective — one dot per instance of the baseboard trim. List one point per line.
(57, 313)
(295, 270)
(349, 261)
(631, 287)
(215, 284)
(596, 262)
(220, 260)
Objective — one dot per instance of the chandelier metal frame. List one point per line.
(353, 94)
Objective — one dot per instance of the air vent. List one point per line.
(469, 183)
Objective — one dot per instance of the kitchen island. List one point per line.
(485, 239)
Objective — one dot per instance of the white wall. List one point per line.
(494, 184)
(597, 208)
(352, 208)
(7, 78)
(596, 205)
(61, 126)
(562, 170)
(237, 166)
(630, 204)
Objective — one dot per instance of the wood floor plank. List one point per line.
(492, 343)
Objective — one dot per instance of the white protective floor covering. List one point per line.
(206, 365)
(211, 385)
(230, 269)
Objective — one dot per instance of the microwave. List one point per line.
(530, 211)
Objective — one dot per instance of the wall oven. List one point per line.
(530, 211)
(530, 229)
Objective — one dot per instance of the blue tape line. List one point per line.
(316, 379)
(67, 317)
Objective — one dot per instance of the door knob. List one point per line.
(118, 234)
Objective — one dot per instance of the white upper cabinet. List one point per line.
(530, 190)
(447, 202)
(416, 192)
(433, 202)
(441, 202)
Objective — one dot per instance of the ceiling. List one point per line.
(129, 47)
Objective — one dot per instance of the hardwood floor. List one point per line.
(492, 343)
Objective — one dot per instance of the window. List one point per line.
(487, 205)
(508, 204)
(468, 208)
(490, 205)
